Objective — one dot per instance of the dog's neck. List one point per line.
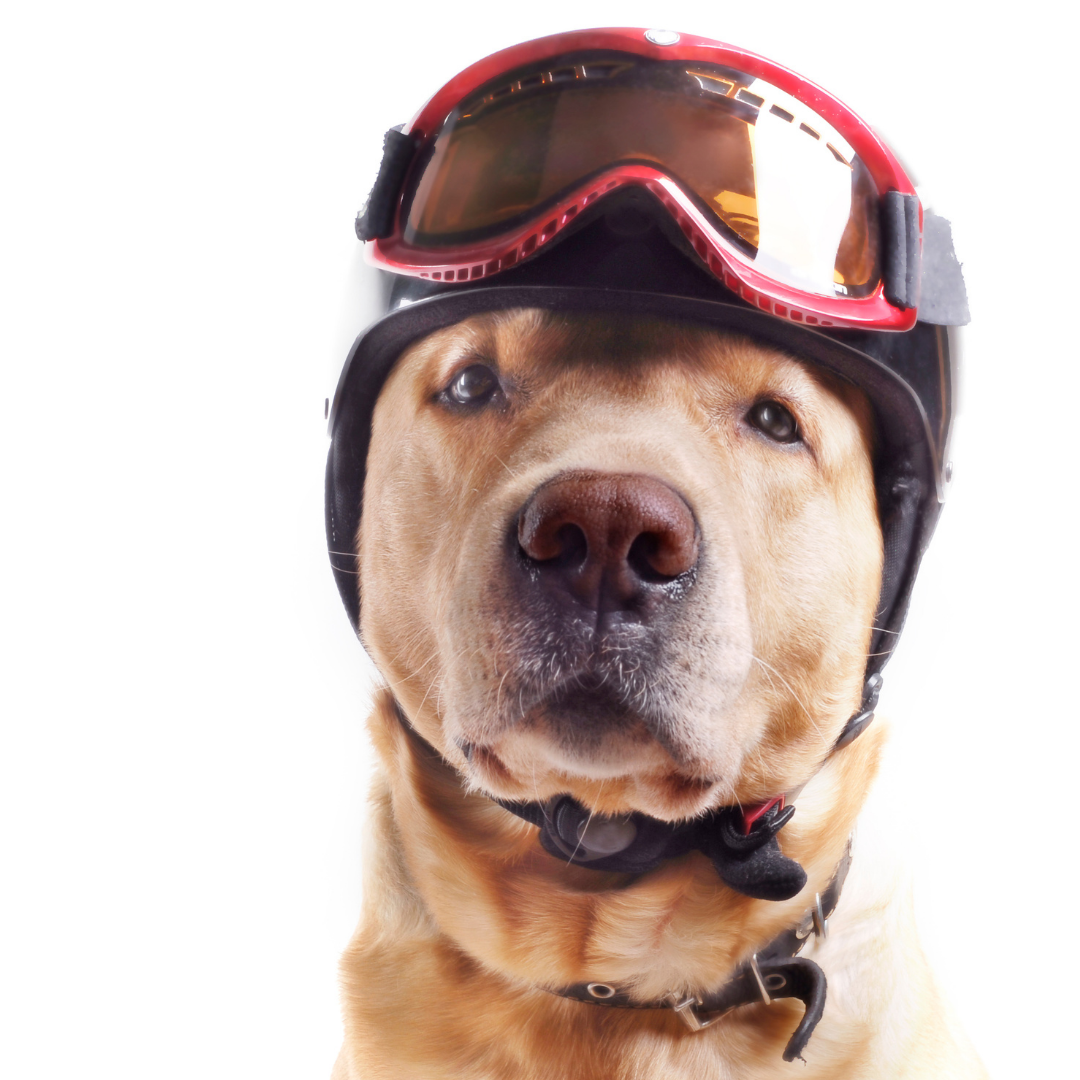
(539, 922)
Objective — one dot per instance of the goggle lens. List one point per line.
(782, 186)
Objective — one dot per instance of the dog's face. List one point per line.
(631, 561)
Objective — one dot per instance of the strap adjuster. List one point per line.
(760, 981)
(814, 922)
(686, 1009)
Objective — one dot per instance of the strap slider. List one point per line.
(814, 922)
(760, 981)
(821, 924)
(686, 1009)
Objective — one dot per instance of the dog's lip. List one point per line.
(588, 698)
(592, 695)
(588, 694)
(484, 759)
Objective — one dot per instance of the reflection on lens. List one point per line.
(781, 185)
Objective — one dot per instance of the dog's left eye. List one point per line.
(476, 384)
(772, 419)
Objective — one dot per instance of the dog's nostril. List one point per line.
(659, 557)
(560, 545)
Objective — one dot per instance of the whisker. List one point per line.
(790, 690)
(498, 694)
(505, 466)
(592, 814)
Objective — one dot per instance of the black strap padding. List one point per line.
(898, 508)
(900, 248)
(376, 220)
(751, 864)
(864, 717)
(943, 300)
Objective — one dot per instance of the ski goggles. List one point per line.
(782, 193)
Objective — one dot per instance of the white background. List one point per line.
(183, 753)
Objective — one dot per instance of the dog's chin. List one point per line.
(609, 768)
(535, 752)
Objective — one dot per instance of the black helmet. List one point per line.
(633, 238)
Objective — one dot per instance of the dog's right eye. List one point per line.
(473, 386)
(774, 420)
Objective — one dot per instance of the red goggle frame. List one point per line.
(886, 303)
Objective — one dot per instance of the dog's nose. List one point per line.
(605, 537)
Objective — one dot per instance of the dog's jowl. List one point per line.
(626, 497)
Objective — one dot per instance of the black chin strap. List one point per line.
(750, 863)
(861, 720)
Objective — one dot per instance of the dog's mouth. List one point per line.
(632, 776)
(586, 708)
(589, 712)
(591, 725)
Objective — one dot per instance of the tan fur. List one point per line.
(466, 918)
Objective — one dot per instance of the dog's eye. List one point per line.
(772, 419)
(474, 385)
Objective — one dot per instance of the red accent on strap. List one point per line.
(750, 814)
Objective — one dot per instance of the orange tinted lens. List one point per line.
(779, 182)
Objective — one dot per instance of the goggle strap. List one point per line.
(376, 220)
(900, 248)
(944, 299)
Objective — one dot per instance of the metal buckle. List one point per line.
(686, 1009)
(813, 922)
(760, 981)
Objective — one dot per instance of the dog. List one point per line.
(635, 563)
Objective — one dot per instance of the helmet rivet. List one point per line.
(661, 37)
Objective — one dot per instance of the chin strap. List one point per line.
(741, 842)
(861, 720)
(774, 971)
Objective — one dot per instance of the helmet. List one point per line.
(646, 172)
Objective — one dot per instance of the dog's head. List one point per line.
(633, 561)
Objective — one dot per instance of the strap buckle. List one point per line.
(760, 981)
(814, 922)
(686, 1009)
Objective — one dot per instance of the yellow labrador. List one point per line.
(635, 564)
